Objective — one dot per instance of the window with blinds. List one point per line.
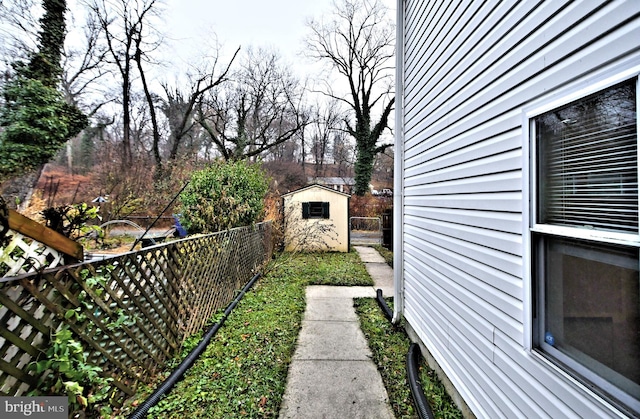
(587, 306)
(588, 162)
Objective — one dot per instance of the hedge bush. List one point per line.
(223, 196)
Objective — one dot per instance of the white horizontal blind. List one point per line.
(589, 162)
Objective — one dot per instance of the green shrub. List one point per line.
(223, 196)
(68, 371)
(36, 122)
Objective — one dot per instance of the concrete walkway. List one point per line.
(332, 374)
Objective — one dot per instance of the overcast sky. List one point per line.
(247, 22)
(258, 23)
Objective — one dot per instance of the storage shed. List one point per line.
(516, 202)
(316, 218)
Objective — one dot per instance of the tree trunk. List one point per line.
(152, 111)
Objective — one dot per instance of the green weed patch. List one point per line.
(390, 345)
(243, 371)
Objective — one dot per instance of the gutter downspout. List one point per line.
(398, 170)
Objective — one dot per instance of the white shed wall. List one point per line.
(470, 69)
(317, 234)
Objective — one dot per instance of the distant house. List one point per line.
(316, 218)
(516, 202)
(341, 184)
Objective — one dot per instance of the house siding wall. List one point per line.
(470, 69)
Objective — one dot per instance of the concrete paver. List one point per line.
(329, 389)
(377, 268)
(331, 374)
(327, 291)
(340, 341)
(330, 309)
(385, 273)
(369, 255)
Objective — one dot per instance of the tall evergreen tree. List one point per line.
(35, 119)
(45, 63)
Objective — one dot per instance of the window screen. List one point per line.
(592, 308)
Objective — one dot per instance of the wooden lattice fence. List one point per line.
(130, 312)
(24, 255)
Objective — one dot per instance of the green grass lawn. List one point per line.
(243, 372)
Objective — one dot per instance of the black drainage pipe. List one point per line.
(422, 405)
(383, 305)
(177, 374)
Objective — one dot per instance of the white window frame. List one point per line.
(567, 95)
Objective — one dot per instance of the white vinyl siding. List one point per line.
(470, 69)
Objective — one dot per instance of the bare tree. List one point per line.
(125, 26)
(179, 108)
(342, 152)
(19, 28)
(327, 119)
(150, 98)
(358, 43)
(83, 70)
(83, 67)
(260, 108)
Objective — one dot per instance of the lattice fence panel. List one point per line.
(131, 312)
(24, 255)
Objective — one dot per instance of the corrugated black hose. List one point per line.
(413, 359)
(419, 399)
(383, 305)
(177, 374)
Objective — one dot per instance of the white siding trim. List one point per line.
(527, 205)
(398, 163)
